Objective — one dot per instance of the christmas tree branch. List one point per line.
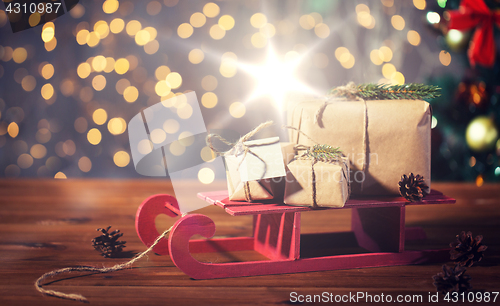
(372, 91)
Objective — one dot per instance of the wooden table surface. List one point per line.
(48, 224)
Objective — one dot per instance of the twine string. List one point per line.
(346, 93)
(79, 297)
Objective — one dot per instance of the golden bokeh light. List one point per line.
(206, 176)
(226, 22)
(322, 30)
(419, 4)
(161, 72)
(13, 129)
(258, 40)
(81, 125)
(211, 10)
(130, 94)
(258, 20)
(121, 159)
(86, 94)
(197, 20)
(47, 91)
(100, 116)
(133, 61)
(152, 32)
(43, 135)
(116, 25)
(196, 56)
(171, 126)
(69, 147)
(185, 30)
(217, 32)
(376, 57)
(110, 64)
(152, 47)
(48, 32)
(341, 51)
(162, 88)
(153, 8)
(101, 28)
(386, 53)
(12, 171)
(209, 100)
(158, 136)
(174, 80)
(237, 109)
(185, 111)
(122, 65)
(84, 164)
(444, 58)
(81, 36)
(93, 39)
(24, 161)
(47, 71)
(94, 136)
(176, 148)
(186, 138)
(349, 62)
(207, 154)
(145, 146)
(398, 22)
(209, 83)
(38, 151)
(28, 83)
(387, 3)
(307, 22)
(142, 37)
(60, 175)
(19, 55)
(117, 126)
(413, 37)
(99, 82)
(388, 70)
(133, 27)
(34, 19)
(110, 6)
(99, 63)
(268, 30)
(398, 78)
(121, 85)
(170, 3)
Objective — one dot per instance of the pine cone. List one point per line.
(412, 188)
(466, 250)
(108, 243)
(452, 280)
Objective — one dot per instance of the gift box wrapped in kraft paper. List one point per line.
(382, 139)
(253, 167)
(317, 182)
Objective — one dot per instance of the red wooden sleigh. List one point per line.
(378, 225)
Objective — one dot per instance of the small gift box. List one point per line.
(251, 168)
(317, 180)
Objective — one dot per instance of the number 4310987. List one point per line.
(25, 8)
(477, 297)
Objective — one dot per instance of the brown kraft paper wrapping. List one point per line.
(398, 139)
(332, 183)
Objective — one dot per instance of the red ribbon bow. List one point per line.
(475, 14)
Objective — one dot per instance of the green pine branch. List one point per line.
(323, 153)
(412, 91)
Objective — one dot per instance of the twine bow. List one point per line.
(239, 147)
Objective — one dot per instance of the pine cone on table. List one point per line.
(108, 243)
(412, 188)
(467, 250)
(452, 280)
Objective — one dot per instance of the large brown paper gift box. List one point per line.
(331, 183)
(398, 138)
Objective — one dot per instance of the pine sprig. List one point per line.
(372, 91)
(324, 153)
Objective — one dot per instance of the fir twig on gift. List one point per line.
(373, 91)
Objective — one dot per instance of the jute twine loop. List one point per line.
(240, 147)
(347, 93)
(79, 297)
